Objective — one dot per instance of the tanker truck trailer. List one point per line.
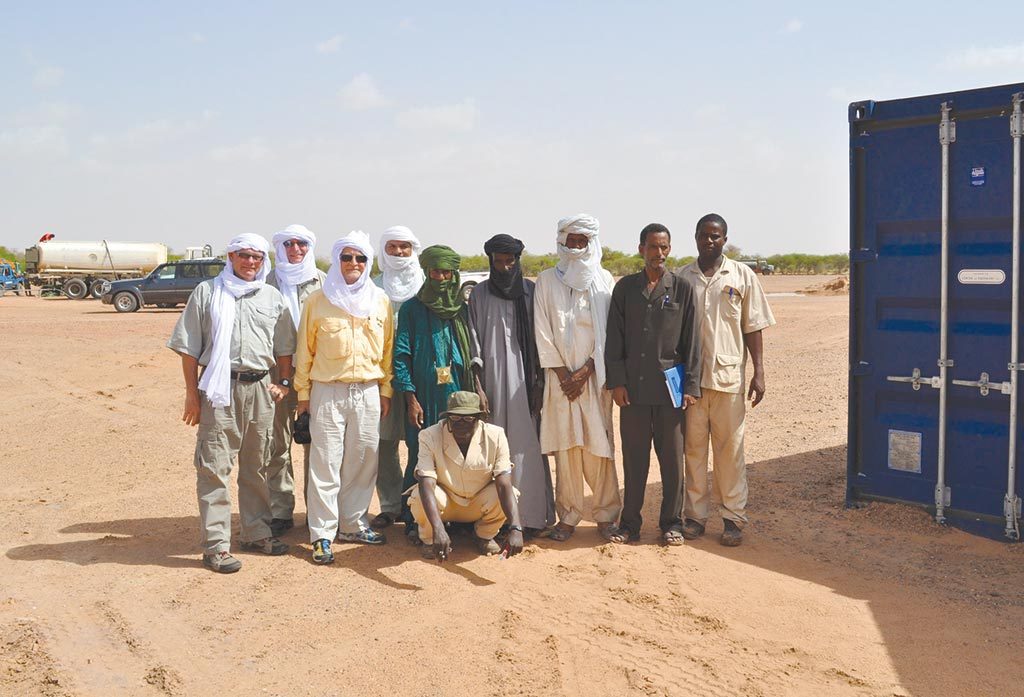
(81, 269)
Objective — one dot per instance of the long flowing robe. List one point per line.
(565, 338)
(423, 342)
(492, 332)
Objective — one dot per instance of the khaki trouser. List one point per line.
(280, 474)
(720, 416)
(484, 510)
(572, 467)
(241, 429)
(345, 425)
(389, 474)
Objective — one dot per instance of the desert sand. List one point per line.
(102, 590)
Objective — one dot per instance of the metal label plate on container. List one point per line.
(977, 176)
(905, 451)
(985, 277)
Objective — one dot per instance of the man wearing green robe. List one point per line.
(431, 354)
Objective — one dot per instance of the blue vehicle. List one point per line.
(12, 279)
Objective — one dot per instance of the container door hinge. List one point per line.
(947, 127)
(916, 380)
(943, 497)
(984, 385)
(1015, 366)
(1011, 511)
(1017, 117)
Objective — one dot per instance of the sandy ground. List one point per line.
(102, 592)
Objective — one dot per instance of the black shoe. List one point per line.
(732, 536)
(692, 529)
(221, 562)
(278, 526)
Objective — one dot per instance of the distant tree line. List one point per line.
(618, 263)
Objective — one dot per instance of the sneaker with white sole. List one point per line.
(322, 553)
(363, 537)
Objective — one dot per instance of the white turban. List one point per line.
(402, 276)
(227, 287)
(289, 275)
(357, 299)
(581, 270)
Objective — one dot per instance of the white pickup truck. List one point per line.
(470, 279)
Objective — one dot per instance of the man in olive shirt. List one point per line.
(651, 328)
(237, 328)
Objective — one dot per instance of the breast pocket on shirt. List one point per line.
(263, 322)
(373, 330)
(732, 303)
(726, 371)
(333, 339)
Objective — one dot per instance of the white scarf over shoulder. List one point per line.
(580, 269)
(227, 287)
(357, 299)
(402, 276)
(290, 276)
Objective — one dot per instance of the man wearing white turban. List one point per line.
(343, 379)
(401, 277)
(296, 276)
(237, 328)
(571, 317)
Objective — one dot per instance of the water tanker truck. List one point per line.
(81, 269)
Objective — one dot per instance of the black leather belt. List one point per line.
(249, 375)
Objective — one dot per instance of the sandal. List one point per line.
(613, 534)
(561, 532)
(673, 537)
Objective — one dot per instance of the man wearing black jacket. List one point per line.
(651, 328)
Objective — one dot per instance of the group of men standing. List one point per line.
(482, 391)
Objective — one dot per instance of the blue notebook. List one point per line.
(675, 378)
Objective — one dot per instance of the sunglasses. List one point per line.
(249, 257)
(456, 418)
(360, 259)
(288, 244)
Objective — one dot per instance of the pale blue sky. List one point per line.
(191, 122)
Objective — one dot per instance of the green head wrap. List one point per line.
(444, 298)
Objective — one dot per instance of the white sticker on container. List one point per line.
(981, 277)
(905, 451)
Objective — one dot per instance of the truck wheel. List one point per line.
(126, 302)
(75, 288)
(99, 288)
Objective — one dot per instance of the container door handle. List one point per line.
(984, 385)
(916, 380)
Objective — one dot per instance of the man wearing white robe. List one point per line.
(571, 316)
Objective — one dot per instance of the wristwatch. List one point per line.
(285, 382)
(517, 528)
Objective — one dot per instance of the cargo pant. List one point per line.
(389, 466)
(280, 473)
(240, 430)
(719, 415)
(345, 425)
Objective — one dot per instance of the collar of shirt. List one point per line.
(451, 446)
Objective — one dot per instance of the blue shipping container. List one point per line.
(935, 306)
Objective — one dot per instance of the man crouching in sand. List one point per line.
(465, 476)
